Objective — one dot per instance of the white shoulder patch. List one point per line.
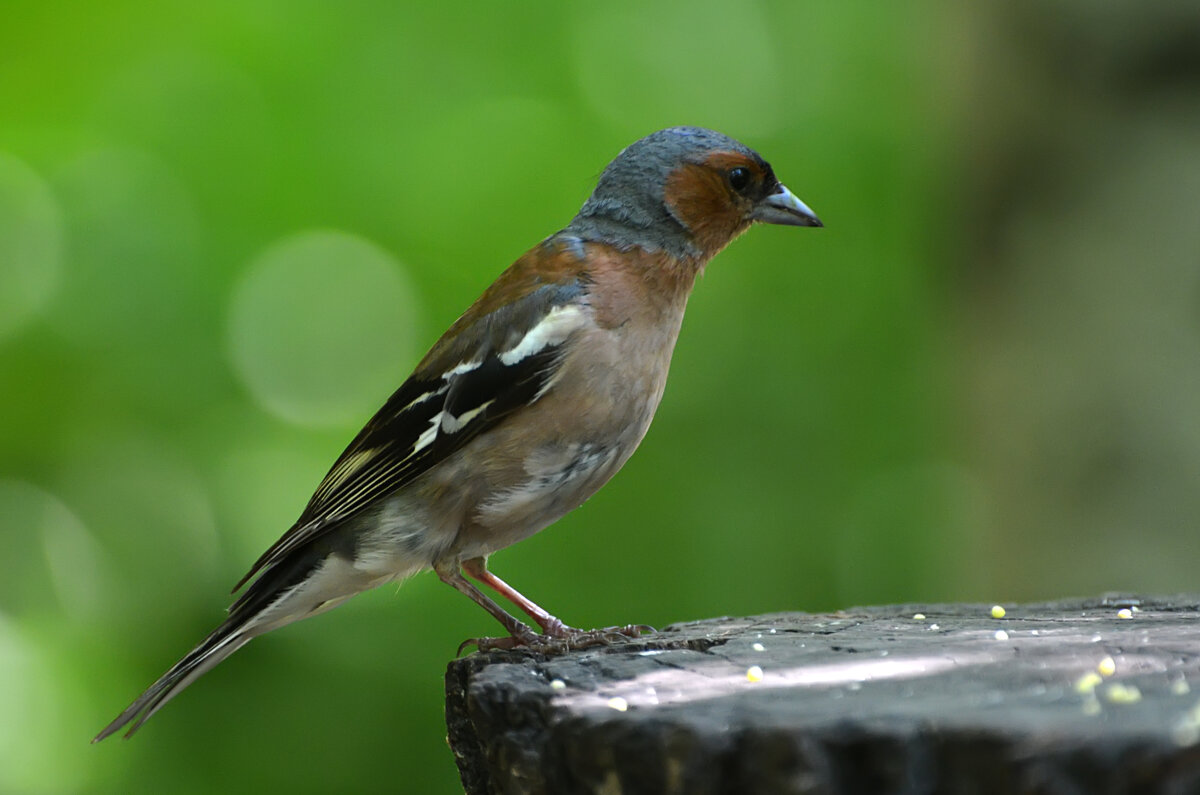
(558, 324)
(422, 398)
(459, 369)
(452, 424)
(426, 438)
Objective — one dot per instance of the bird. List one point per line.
(525, 407)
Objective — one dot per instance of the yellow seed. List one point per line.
(754, 674)
(918, 616)
(618, 703)
(1107, 666)
(1091, 706)
(1087, 683)
(558, 684)
(1118, 693)
(1124, 612)
(998, 611)
(1180, 687)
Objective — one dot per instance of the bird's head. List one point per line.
(687, 191)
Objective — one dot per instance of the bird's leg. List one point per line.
(519, 632)
(551, 626)
(477, 568)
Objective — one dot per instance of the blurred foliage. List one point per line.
(227, 230)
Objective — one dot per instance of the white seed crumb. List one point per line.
(1000, 635)
(933, 627)
(1185, 733)
(558, 684)
(618, 703)
(757, 646)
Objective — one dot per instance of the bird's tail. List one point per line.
(305, 583)
(224, 641)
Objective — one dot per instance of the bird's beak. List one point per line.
(782, 207)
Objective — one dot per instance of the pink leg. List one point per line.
(557, 636)
(551, 626)
(453, 577)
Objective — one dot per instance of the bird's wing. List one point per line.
(502, 354)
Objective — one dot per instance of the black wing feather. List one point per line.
(383, 457)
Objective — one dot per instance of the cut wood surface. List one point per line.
(1088, 696)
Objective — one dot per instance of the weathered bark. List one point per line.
(864, 700)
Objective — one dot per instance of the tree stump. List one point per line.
(1078, 696)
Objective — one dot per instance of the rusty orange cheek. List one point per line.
(698, 197)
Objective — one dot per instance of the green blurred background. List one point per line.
(228, 230)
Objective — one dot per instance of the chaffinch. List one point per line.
(526, 406)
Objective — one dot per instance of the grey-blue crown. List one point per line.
(627, 207)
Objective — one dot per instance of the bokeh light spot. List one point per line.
(31, 241)
(148, 511)
(679, 63)
(35, 708)
(75, 561)
(36, 525)
(321, 327)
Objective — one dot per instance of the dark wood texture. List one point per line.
(866, 700)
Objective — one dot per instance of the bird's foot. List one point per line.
(561, 639)
(606, 636)
(523, 636)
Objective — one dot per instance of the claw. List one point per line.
(506, 643)
(634, 630)
(562, 639)
(584, 639)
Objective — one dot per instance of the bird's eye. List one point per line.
(739, 178)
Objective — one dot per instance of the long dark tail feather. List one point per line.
(223, 641)
(233, 633)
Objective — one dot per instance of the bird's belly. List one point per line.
(559, 478)
(589, 427)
